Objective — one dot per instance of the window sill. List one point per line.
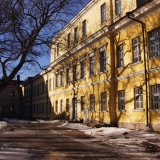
(103, 72)
(118, 15)
(154, 110)
(103, 23)
(81, 79)
(139, 110)
(103, 111)
(123, 110)
(93, 111)
(135, 63)
(120, 68)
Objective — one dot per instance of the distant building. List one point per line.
(104, 67)
(10, 99)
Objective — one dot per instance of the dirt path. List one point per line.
(44, 141)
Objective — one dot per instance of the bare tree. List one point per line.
(26, 30)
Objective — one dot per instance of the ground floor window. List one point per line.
(92, 102)
(138, 94)
(67, 105)
(156, 97)
(121, 100)
(82, 103)
(103, 101)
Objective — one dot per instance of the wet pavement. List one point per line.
(49, 141)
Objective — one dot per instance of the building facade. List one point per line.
(104, 67)
(10, 99)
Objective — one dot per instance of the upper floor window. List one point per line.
(76, 35)
(120, 56)
(37, 89)
(136, 50)
(154, 43)
(156, 97)
(84, 28)
(61, 78)
(92, 102)
(74, 69)
(67, 75)
(118, 7)
(102, 54)
(50, 83)
(12, 93)
(69, 40)
(92, 65)
(141, 2)
(138, 94)
(56, 76)
(103, 101)
(42, 87)
(103, 13)
(82, 103)
(121, 100)
(82, 69)
(57, 49)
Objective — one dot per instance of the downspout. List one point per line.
(145, 65)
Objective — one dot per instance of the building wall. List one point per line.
(123, 82)
(10, 101)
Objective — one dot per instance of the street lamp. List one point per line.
(130, 15)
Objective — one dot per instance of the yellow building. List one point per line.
(104, 67)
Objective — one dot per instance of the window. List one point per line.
(74, 68)
(120, 56)
(46, 85)
(82, 69)
(61, 105)
(103, 13)
(156, 97)
(34, 90)
(118, 7)
(42, 87)
(92, 102)
(121, 100)
(76, 35)
(57, 49)
(67, 105)
(67, 75)
(12, 93)
(69, 40)
(91, 66)
(103, 101)
(56, 76)
(50, 81)
(61, 78)
(138, 94)
(102, 54)
(82, 103)
(141, 2)
(37, 89)
(154, 43)
(56, 109)
(136, 50)
(84, 28)
(46, 107)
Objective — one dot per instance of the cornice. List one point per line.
(77, 17)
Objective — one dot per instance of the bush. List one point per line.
(62, 116)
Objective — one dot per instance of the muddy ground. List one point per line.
(48, 141)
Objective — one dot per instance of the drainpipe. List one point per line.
(129, 15)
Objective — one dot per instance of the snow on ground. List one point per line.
(111, 134)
